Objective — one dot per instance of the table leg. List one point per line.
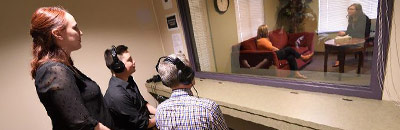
(341, 61)
(360, 62)
(326, 59)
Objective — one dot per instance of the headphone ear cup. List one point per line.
(181, 77)
(186, 75)
(190, 76)
(118, 66)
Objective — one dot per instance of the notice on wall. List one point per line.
(167, 4)
(177, 42)
(172, 22)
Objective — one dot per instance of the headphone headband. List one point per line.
(117, 66)
(185, 73)
(114, 53)
(158, 62)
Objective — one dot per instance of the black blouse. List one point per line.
(72, 100)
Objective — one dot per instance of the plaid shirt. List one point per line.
(183, 111)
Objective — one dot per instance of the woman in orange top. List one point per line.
(286, 53)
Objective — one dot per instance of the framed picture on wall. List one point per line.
(172, 22)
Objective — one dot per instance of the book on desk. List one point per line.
(342, 39)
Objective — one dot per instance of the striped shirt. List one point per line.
(183, 111)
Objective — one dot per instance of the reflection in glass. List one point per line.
(226, 42)
(286, 53)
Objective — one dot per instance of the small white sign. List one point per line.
(167, 4)
(177, 42)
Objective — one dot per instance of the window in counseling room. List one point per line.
(304, 40)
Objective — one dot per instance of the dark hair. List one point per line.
(107, 54)
(44, 48)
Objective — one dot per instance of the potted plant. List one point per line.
(291, 14)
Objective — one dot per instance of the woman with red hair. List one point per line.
(72, 100)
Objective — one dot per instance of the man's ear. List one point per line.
(57, 34)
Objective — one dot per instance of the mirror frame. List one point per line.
(373, 91)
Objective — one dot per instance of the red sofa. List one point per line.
(249, 53)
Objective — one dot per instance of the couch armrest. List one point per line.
(307, 41)
(254, 57)
(311, 42)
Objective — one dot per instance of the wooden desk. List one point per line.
(257, 104)
(353, 45)
(280, 108)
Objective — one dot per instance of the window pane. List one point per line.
(226, 40)
(333, 13)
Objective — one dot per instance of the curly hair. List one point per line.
(169, 72)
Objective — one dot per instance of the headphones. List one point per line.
(185, 73)
(117, 66)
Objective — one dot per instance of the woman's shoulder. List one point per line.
(51, 64)
(52, 67)
(263, 40)
(52, 72)
(363, 17)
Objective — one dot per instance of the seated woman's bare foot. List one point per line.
(307, 57)
(300, 76)
(336, 64)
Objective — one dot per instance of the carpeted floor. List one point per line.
(315, 70)
(351, 63)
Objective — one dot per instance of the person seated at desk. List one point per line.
(127, 106)
(183, 111)
(287, 53)
(358, 26)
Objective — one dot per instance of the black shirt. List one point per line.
(72, 100)
(127, 106)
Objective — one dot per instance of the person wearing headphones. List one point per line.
(127, 106)
(183, 111)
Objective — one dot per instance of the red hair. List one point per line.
(44, 47)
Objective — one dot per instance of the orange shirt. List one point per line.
(264, 44)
